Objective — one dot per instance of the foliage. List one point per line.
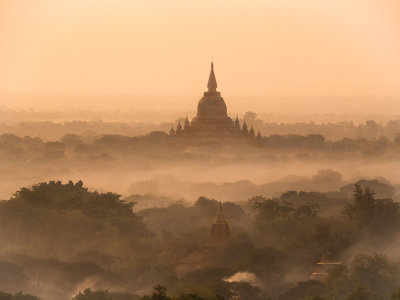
(360, 293)
(208, 207)
(277, 241)
(281, 224)
(160, 293)
(307, 289)
(55, 217)
(17, 296)
(88, 294)
(302, 197)
(374, 271)
(379, 216)
(366, 270)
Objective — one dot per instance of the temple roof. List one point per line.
(220, 216)
(179, 127)
(212, 81)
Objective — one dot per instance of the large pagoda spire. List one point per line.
(212, 81)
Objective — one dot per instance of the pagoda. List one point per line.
(212, 121)
(220, 229)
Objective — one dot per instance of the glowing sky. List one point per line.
(270, 47)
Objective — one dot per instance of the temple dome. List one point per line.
(212, 116)
(211, 106)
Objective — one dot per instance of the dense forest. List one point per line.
(62, 241)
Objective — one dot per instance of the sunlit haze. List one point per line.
(287, 48)
(199, 150)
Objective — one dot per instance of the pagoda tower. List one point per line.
(220, 229)
(212, 123)
(212, 120)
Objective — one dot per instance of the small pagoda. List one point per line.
(220, 229)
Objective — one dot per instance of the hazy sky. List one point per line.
(271, 47)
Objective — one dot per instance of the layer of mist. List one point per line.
(143, 217)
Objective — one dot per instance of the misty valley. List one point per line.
(129, 172)
(155, 216)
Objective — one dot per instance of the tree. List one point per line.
(189, 297)
(17, 296)
(5, 296)
(305, 289)
(314, 141)
(373, 271)
(209, 207)
(159, 293)
(249, 117)
(88, 294)
(54, 217)
(379, 216)
(360, 293)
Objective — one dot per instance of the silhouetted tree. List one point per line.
(17, 296)
(381, 216)
(88, 294)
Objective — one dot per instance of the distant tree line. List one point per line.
(84, 126)
(109, 147)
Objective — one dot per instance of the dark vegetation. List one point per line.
(161, 147)
(59, 239)
(17, 296)
(32, 123)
